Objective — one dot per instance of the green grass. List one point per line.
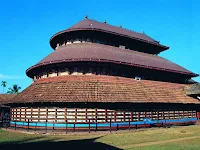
(150, 139)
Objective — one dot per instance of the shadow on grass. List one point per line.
(88, 144)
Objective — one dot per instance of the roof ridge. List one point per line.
(121, 28)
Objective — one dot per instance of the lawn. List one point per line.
(174, 138)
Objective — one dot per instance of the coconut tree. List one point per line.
(3, 84)
(14, 89)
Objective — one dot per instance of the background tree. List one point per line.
(3, 84)
(14, 89)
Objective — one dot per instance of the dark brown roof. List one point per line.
(99, 88)
(88, 24)
(6, 98)
(104, 53)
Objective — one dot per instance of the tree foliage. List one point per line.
(3, 84)
(14, 89)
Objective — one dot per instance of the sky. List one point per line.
(27, 25)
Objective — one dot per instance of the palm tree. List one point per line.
(3, 83)
(14, 90)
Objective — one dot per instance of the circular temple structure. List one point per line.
(102, 77)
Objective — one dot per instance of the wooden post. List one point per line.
(96, 127)
(115, 115)
(46, 126)
(53, 126)
(89, 125)
(55, 119)
(124, 115)
(31, 113)
(75, 115)
(28, 125)
(66, 125)
(117, 126)
(131, 115)
(86, 115)
(174, 115)
(15, 124)
(74, 127)
(96, 115)
(110, 125)
(129, 125)
(105, 115)
(20, 115)
(65, 114)
(139, 115)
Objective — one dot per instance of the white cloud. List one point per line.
(2, 76)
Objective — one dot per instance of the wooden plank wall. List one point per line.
(81, 115)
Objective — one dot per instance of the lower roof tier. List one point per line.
(105, 89)
(90, 52)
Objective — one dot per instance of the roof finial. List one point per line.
(104, 21)
(120, 26)
(86, 16)
(143, 32)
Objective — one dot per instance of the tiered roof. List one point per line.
(103, 53)
(106, 89)
(93, 25)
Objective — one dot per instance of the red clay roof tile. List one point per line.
(103, 89)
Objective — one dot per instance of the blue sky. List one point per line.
(26, 27)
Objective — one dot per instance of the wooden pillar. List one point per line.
(139, 115)
(169, 115)
(131, 116)
(96, 115)
(76, 115)
(55, 119)
(105, 115)
(163, 115)
(31, 114)
(38, 114)
(47, 114)
(20, 115)
(145, 114)
(86, 115)
(124, 115)
(115, 115)
(65, 114)
(179, 116)
(157, 115)
(174, 114)
(25, 114)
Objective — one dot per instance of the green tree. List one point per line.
(14, 89)
(3, 84)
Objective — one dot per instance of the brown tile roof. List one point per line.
(6, 98)
(99, 88)
(104, 53)
(88, 24)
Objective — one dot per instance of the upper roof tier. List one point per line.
(92, 52)
(89, 25)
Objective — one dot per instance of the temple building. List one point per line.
(103, 76)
